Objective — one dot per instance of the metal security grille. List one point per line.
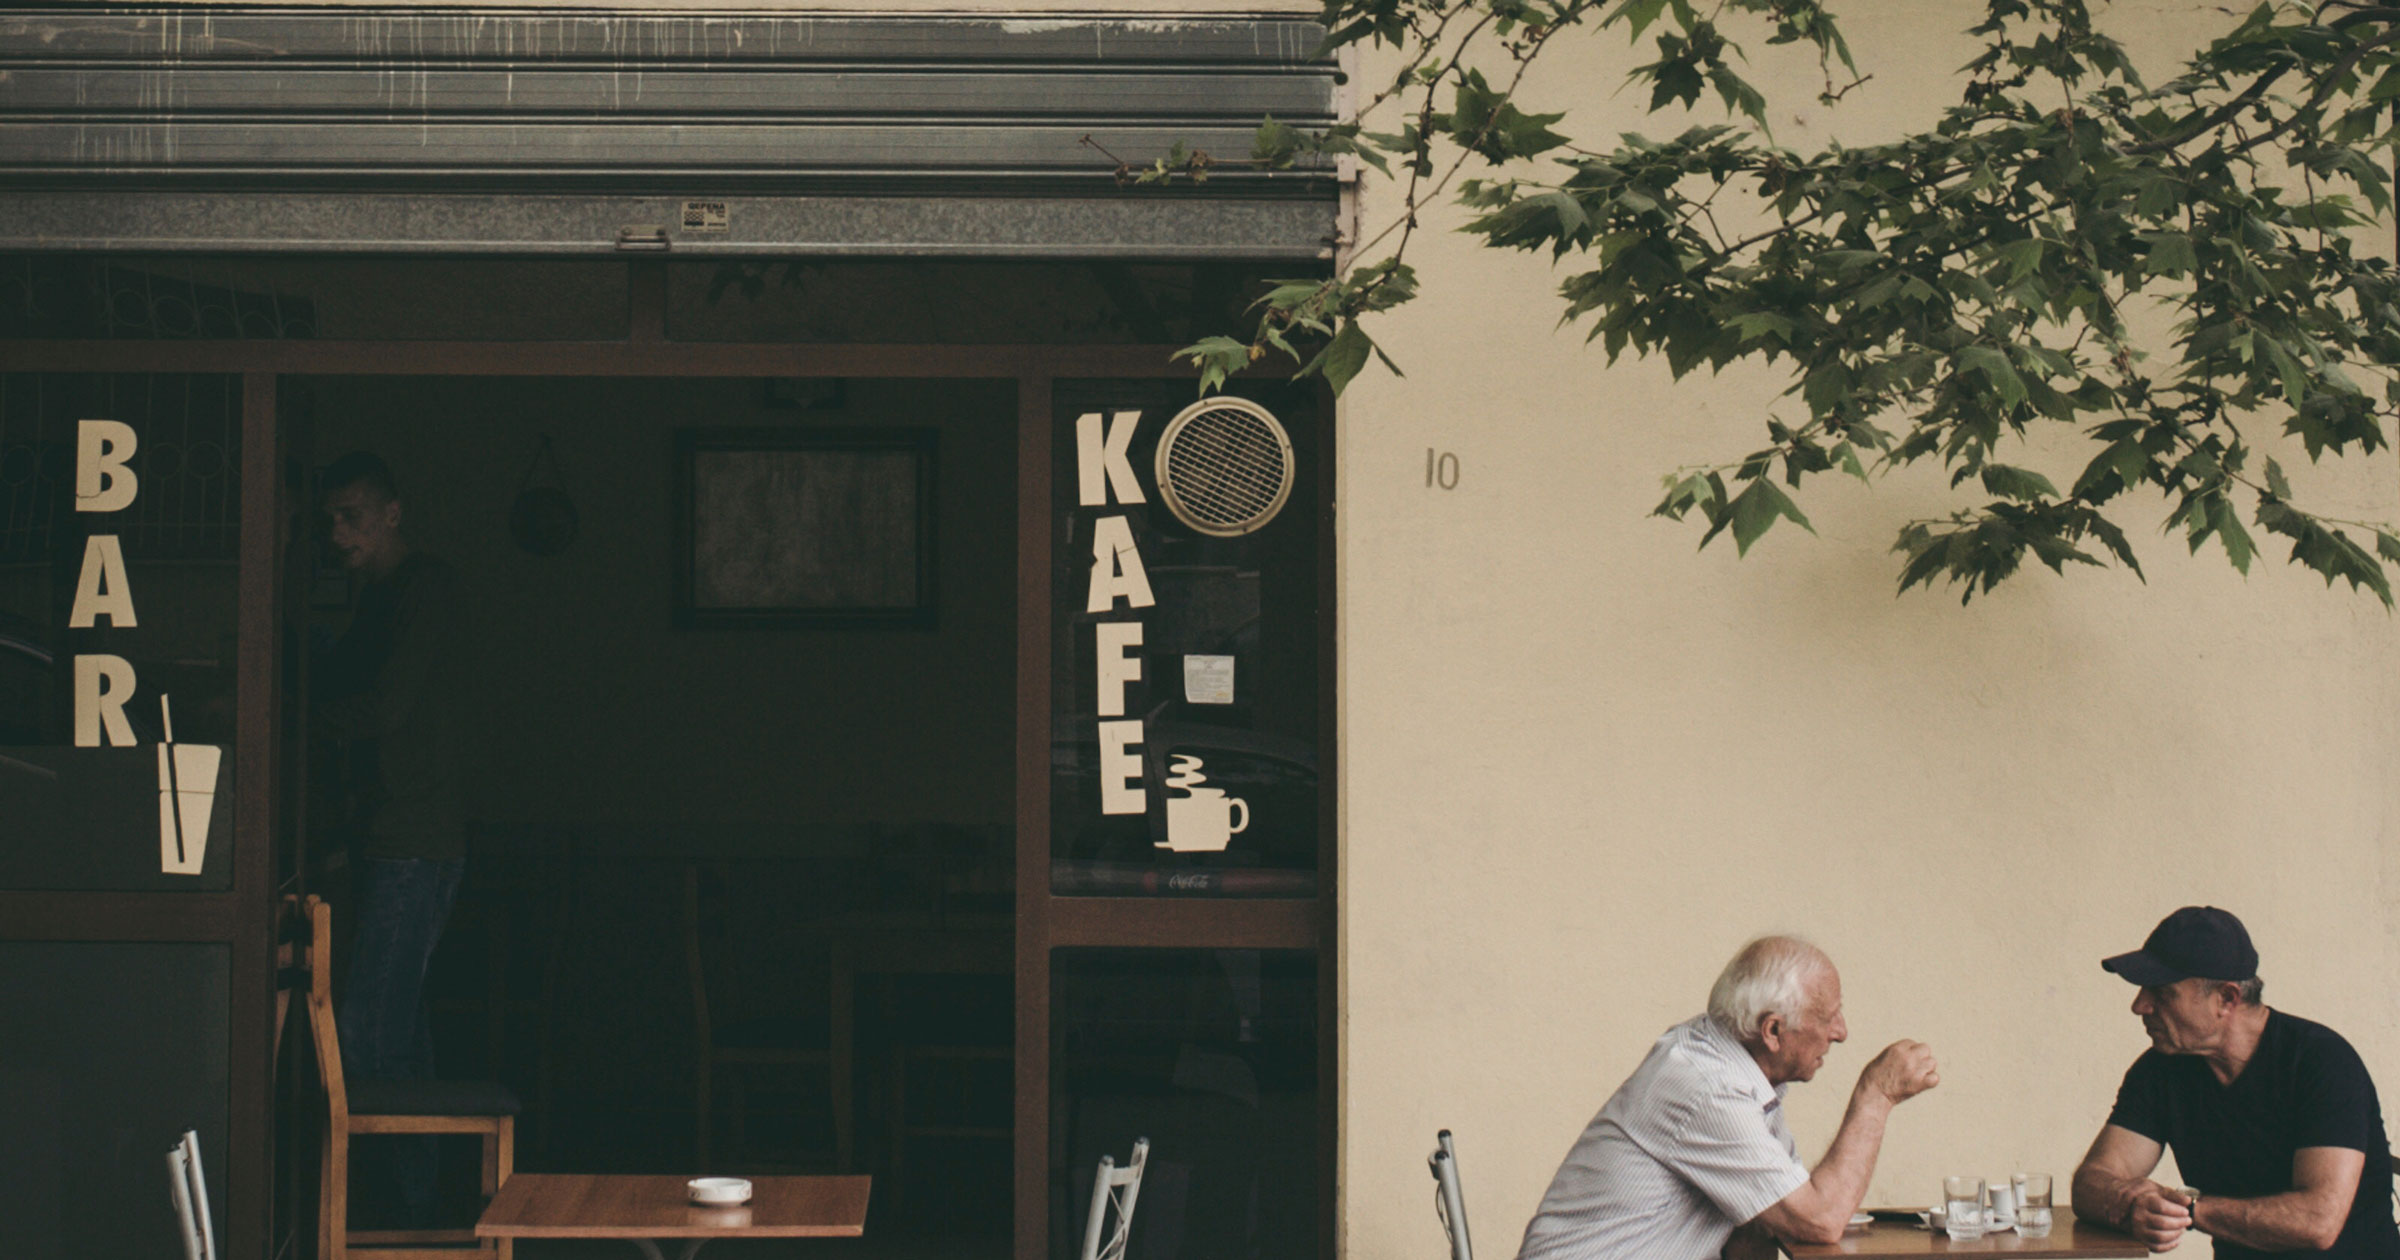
(200, 299)
(189, 461)
(497, 130)
(1224, 466)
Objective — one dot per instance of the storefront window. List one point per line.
(1185, 705)
(1211, 1054)
(120, 516)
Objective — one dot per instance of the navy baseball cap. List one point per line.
(2194, 941)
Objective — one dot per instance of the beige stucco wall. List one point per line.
(1583, 763)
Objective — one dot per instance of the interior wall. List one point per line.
(603, 714)
(1582, 763)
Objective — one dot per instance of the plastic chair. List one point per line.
(484, 1108)
(189, 1190)
(1120, 1186)
(1449, 1200)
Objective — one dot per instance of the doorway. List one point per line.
(738, 786)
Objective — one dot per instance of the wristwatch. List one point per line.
(2193, 1193)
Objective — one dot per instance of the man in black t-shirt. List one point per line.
(2273, 1119)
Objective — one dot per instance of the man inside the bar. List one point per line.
(1691, 1157)
(2273, 1119)
(392, 697)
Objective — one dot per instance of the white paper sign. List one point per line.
(1208, 679)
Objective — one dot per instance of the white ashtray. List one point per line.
(719, 1191)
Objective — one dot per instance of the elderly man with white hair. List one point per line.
(1691, 1157)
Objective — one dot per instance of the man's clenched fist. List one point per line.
(1904, 1070)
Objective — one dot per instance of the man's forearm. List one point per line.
(2294, 1221)
(1842, 1176)
(2104, 1198)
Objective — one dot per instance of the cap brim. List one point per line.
(2141, 968)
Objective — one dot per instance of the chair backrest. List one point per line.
(694, 965)
(1120, 1187)
(189, 1190)
(320, 1010)
(1449, 1199)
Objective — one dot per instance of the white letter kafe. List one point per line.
(1102, 471)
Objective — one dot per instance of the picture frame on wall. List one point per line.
(793, 528)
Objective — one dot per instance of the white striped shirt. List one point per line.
(1692, 1145)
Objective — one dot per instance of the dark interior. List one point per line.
(655, 808)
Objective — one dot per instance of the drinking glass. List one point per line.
(2033, 1205)
(1962, 1207)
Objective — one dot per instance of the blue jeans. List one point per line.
(402, 905)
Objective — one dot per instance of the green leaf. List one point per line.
(1345, 355)
(2023, 485)
(2023, 257)
(1995, 368)
(2276, 485)
(1847, 456)
(1757, 324)
(2287, 370)
(1217, 358)
(2238, 547)
(1639, 14)
(2170, 254)
(1755, 510)
(1274, 145)
(1486, 122)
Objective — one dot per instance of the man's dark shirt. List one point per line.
(2304, 1086)
(392, 692)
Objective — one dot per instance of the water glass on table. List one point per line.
(1962, 1207)
(2033, 1205)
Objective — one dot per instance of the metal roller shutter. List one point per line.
(456, 131)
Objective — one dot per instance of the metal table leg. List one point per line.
(649, 1248)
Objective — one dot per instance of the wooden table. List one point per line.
(642, 1210)
(2069, 1239)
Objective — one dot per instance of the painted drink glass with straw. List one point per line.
(187, 795)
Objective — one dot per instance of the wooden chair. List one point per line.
(1449, 1199)
(963, 948)
(484, 1108)
(771, 1042)
(1120, 1187)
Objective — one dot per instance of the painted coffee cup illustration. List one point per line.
(1203, 819)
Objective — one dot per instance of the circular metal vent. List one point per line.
(1225, 466)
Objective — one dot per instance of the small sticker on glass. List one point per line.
(1208, 679)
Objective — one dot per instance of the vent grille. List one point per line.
(1225, 466)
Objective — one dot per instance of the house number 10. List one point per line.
(1441, 469)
